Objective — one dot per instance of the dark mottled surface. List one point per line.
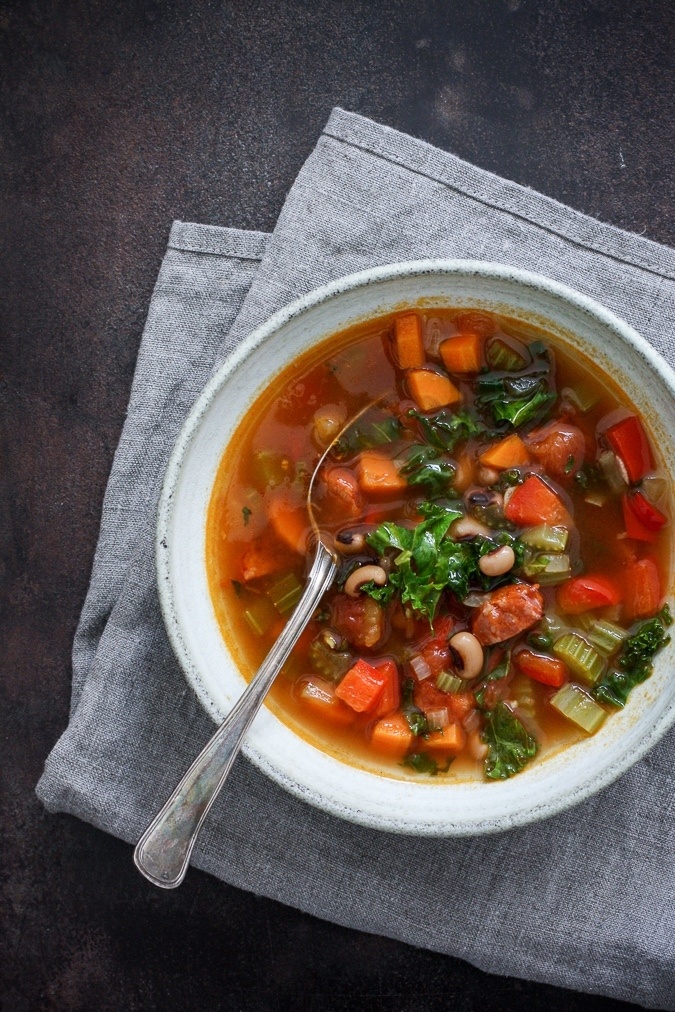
(116, 118)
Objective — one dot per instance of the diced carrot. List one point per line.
(262, 559)
(541, 667)
(430, 390)
(462, 354)
(391, 695)
(642, 595)
(362, 687)
(289, 521)
(509, 452)
(392, 736)
(319, 696)
(450, 740)
(534, 502)
(378, 475)
(408, 341)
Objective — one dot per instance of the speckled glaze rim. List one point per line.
(487, 271)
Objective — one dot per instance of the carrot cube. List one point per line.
(378, 475)
(289, 521)
(362, 687)
(450, 740)
(392, 736)
(408, 341)
(462, 354)
(509, 452)
(642, 590)
(430, 390)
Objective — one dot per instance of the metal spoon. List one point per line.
(163, 852)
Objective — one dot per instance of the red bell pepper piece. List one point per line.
(362, 687)
(544, 669)
(642, 519)
(391, 694)
(534, 502)
(643, 590)
(582, 593)
(627, 438)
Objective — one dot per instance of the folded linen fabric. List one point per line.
(585, 900)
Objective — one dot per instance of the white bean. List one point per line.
(467, 527)
(364, 574)
(470, 654)
(488, 475)
(498, 562)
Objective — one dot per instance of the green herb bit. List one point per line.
(540, 641)
(578, 706)
(446, 430)
(509, 479)
(422, 762)
(285, 593)
(510, 745)
(417, 721)
(581, 658)
(246, 513)
(502, 356)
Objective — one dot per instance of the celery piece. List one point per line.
(552, 624)
(581, 396)
(502, 356)
(285, 593)
(606, 636)
(581, 658)
(448, 683)
(269, 469)
(260, 615)
(548, 568)
(546, 538)
(575, 703)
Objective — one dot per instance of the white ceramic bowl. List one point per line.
(424, 806)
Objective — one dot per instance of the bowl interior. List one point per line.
(420, 807)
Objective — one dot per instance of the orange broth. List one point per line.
(277, 450)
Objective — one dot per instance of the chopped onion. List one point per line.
(471, 721)
(614, 471)
(654, 488)
(420, 667)
(438, 719)
(474, 599)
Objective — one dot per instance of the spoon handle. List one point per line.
(163, 852)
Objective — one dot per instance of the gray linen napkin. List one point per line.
(585, 900)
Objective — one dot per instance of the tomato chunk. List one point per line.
(643, 590)
(628, 439)
(583, 593)
(541, 667)
(559, 447)
(534, 502)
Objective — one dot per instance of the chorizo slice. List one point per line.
(506, 612)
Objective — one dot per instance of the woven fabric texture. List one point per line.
(585, 900)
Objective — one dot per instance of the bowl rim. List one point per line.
(385, 273)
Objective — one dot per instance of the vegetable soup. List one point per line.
(504, 540)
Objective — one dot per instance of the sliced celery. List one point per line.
(501, 355)
(606, 636)
(581, 396)
(548, 568)
(285, 593)
(269, 469)
(448, 683)
(581, 658)
(260, 615)
(575, 704)
(546, 538)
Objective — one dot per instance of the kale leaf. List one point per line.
(366, 434)
(635, 661)
(446, 429)
(510, 745)
(514, 400)
(422, 762)
(427, 562)
(417, 721)
(422, 467)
